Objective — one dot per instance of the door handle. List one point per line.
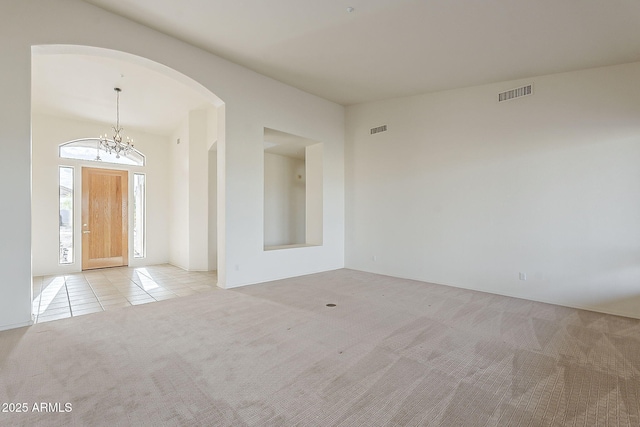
(86, 232)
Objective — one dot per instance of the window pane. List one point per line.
(138, 215)
(89, 149)
(66, 215)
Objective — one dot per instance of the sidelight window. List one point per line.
(139, 247)
(65, 211)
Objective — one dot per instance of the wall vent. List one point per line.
(515, 93)
(379, 129)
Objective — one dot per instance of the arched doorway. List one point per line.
(175, 121)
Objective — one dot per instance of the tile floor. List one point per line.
(58, 297)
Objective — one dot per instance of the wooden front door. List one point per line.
(104, 218)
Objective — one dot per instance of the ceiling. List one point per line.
(81, 87)
(392, 48)
(383, 49)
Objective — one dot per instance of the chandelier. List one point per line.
(115, 145)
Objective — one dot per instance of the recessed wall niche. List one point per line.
(292, 191)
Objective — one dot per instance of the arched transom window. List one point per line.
(89, 149)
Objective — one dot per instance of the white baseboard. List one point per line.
(16, 325)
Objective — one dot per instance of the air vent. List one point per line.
(379, 129)
(515, 93)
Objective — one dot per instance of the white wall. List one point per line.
(198, 191)
(47, 133)
(467, 192)
(189, 176)
(284, 200)
(251, 103)
(179, 195)
(212, 145)
(314, 169)
(213, 206)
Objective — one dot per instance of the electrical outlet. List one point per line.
(523, 276)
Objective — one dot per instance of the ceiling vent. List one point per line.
(515, 93)
(379, 129)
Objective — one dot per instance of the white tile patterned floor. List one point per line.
(70, 295)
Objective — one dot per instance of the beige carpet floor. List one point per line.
(391, 352)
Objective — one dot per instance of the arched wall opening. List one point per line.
(185, 190)
(252, 102)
